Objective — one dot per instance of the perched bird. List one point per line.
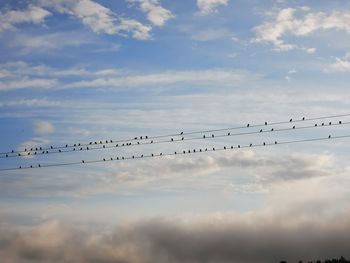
(339, 122)
(290, 120)
(225, 147)
(248, 125)
(172, 139)
(203, 136)
(275, 142)
(228, 134)
(264, 143)
(293, 127)
(212, 135)
(329, 136)
(303, 118)
(239, 146)
(260, 130)
(265, 122)
(181, 133)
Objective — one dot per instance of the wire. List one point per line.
(264, 144)
(171, 140)
(102, 142)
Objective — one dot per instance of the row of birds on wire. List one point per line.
(211, 134)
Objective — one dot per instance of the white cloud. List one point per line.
(210, 6)
(26, 83)
(340, 65)
(156, 14)
(285, 22)
(43, 127)
(32, 14)
(99, 18)
(166, 78)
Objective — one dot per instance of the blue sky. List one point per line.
(76, 71)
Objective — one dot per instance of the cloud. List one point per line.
(26, 83)
(284, 23)
(341, 65)
(43, 127)
(210, 6)
(156, 14)
(165, 78)
(222, 238)
(33, 14)
(99, 18)
(211, 34)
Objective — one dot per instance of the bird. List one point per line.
(51, 147)
(141, 155)
(303, 118)
(212, 135)
(239, 146)
(111, 159)
(104, 146)
(200, 150)
(206, 149)
(260, 130)
(228, 134)
(152, 154)
(265, 122)
(275, 142)
(146, 137)
(290, 120)
(315, 124)
(138, 142)
(225, 147)
(248, 125)
(174, 152)
(293, 127)
(272, 129)
(140, 137)
(339, 122)
(160, 154)
(330, 123)
(152, 141)
(61, 151)
(39, 165)
(231, 147)
(181, 133)
(183, 152)
(322, 124)
(264, 143)
(203, 136)
(183, 138)
(110, 141)
(172, 139)
(25, 149)
(135, 138)
(329, 136)
(213, 149)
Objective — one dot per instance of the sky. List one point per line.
(88, 70)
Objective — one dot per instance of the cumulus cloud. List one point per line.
(156, 14)
(43, 127)
(11, 18)
(210, 6)
(221, 238)
(285, 23)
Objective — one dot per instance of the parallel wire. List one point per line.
(171, 140)
(264, 144)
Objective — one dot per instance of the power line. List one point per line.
(171, 140)
(148, 139)
(193, 151)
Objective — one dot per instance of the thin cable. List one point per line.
(264, 144)
(102, 142)
(172, 140)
